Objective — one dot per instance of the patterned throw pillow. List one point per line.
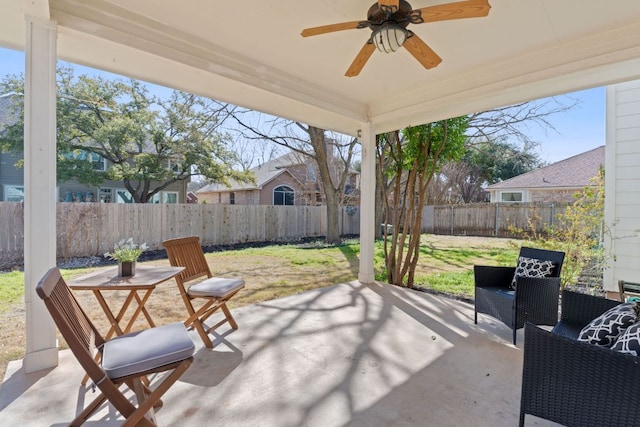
(604, 329)
(532, 267)
(629, 340)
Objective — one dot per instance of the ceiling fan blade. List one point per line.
(361, 59)
(421, 51)
(324, 29)
(389, 6)
(457, 10)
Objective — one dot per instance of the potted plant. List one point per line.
(126, 252)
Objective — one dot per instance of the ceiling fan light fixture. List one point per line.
(389, 37)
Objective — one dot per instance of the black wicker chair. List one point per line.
(575, 383)
(535, 300)
(578, 310)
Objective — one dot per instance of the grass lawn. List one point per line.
(445, 265)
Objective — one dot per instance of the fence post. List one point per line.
(496, 222)
(451, 222)
(553, 214)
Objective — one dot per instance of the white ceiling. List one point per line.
(251, 54)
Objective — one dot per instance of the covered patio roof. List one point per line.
(252, 55)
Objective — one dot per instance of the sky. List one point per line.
(576, 131)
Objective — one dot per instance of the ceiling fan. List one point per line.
(388, 21)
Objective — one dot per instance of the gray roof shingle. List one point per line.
(264, 173)
(576, 171)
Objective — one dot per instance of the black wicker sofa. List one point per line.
(576, 383)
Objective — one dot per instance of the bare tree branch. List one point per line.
(332, 155)
(514, 122)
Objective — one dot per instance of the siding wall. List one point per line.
(10, 175)
(622, 183)
(549, 196)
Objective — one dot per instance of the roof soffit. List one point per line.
(105, 20)
(255, 57)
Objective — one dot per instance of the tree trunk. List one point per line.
(331, 191)
(411, 169)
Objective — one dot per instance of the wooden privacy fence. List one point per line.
(491, 219)
(86, 229)
(11, 233)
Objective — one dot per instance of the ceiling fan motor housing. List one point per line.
(377, 16)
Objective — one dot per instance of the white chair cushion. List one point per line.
(216, 287)
(148, 349)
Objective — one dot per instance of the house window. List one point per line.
(283, 195)
(13, 193)
(115, 195)
(170, 197)
(174, 166)
(232, 198)
(123, 196)
(511, 196)
(98, 162)
(78, 196)
(106, 195)
(164, 197)
(311, 172)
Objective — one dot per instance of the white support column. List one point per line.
(40, 187)
(367, 203)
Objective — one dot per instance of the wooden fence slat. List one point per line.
(11, 234)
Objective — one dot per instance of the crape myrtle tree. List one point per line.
(333, 154)
(462, 154)
(407, 161)
(148, 143)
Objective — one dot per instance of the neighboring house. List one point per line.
(12, 180)
(291, 179)
(557, 182)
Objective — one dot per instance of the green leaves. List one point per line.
(499, 160)
(147, 144)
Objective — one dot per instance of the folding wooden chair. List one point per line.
(216, 291)
(125, 359)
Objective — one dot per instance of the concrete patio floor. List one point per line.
(346, 355)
